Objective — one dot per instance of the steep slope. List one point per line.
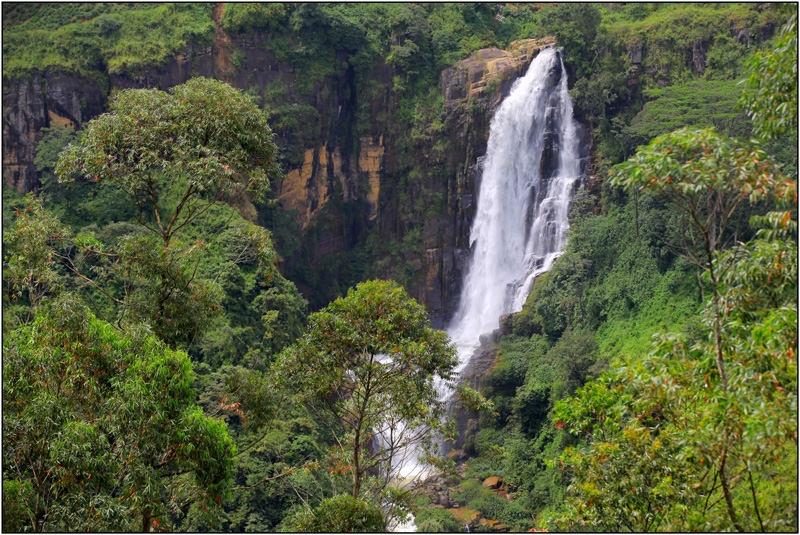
(379, 144)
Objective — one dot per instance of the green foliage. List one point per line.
(18, 504)
(441, 33)
(262, 316)
(617, 283)
(342, 513)
(125, 38)
(459, 29)
(697, 104)
(616, 51)
(205, 134)
(121, 441)
(479, 498)
(248, 17)
(658, 425)
(670, 34)
(771, 99)
(575, 27)
(84, 201)
(279, 449)
(706, 176)
(699, 430)
(600, 276)
(436, 521)
(162, 291)
(47, 150)
(29, 273)
(168, 154)
(366, 367)
(34, 16)
(672, 307)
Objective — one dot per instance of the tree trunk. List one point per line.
(147, 519)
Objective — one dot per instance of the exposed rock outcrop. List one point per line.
(363, 171)
(30, 104)
(480, 364)
(473, 79)
(370, 163)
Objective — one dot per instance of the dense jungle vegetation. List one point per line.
(161, 372)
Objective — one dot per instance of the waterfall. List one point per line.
(529, 174)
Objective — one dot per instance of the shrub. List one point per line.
(437, 521)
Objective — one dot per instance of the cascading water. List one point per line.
(521, 221)
(531, 170)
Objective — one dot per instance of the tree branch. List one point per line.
(288, 472)
(67, 261)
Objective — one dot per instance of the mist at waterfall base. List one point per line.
(521, 222)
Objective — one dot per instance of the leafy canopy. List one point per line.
(177, 156)
(367, 364)
(702, 433)
(342, 513)
(204, 135)
(771, 99)
(100, 429)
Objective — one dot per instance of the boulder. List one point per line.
(468, 516)
(492, 482)
(453, 495)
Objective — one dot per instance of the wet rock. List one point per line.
(506, 324)
(489, 338)
(479, 365)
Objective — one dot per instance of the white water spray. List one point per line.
(522, 217)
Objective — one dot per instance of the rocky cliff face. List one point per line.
(40, 101)
(30, 104)
(334, 164)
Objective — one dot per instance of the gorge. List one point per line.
(513, 178)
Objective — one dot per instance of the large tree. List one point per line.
(205, 140)
(100, 429)
(367, 365)
(177, 155)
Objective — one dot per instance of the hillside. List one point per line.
(212, 251)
